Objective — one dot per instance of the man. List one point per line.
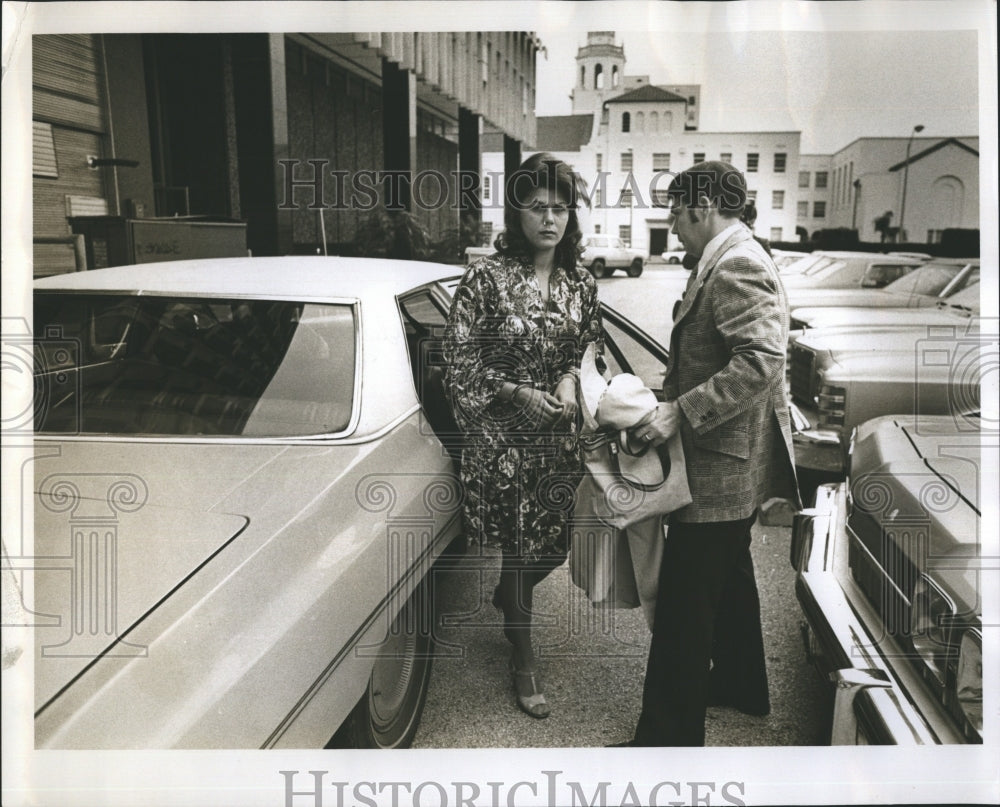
(724, 393)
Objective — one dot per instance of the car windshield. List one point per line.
(804, 263)
(929, 279)
(824, 268)
(967, 299)
(124, 364)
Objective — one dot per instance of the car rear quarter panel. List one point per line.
(272, 641)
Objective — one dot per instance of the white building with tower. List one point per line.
(626, 136)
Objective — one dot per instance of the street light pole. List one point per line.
(906, 175)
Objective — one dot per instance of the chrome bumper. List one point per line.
(870, 705)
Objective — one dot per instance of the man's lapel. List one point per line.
(695, 283)
(691, 292)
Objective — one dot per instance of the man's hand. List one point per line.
(665, 423)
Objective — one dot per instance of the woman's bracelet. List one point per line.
(513, 390)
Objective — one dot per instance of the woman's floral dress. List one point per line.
(519, 480)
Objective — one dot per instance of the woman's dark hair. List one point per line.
(540, 170)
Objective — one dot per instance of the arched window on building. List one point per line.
(615, 77)
(947, 200)
(640, 121)
(626, 122)
(598, 77)
(654, 122)
(583, 75)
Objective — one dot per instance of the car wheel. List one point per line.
(598, 269)
(674, 259)
(389, 712)
(635, 268)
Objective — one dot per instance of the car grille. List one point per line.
(802, 363)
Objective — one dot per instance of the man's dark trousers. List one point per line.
(703, 576)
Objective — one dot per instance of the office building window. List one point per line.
(626, 161)
(600, 161)
(779, 162)
(821, 179)
(775, 233)
(726, 157)
(597, 228)
(751, 196)
(699, 157)
(819, 210)
(660, 198)
(625, 200)
(661, 162)
(487, 179)
(626, 122)
(625, 234)
(803, 179)
(777, 200)
(802, 210)
(752, 160)
(692, 100)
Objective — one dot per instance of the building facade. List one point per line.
(628, 137)
(867, 178)
(300, 136)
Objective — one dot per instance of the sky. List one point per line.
(833, 86)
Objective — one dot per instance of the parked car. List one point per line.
(839, 270)
(924, 286)
(244, 481)
(784, 258)
(854, 318)
(605, 253)
(887, 575)
(840, 377)
(673, 256)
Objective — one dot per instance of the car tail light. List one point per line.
(969, 681)
(932, 616)
(832, 405)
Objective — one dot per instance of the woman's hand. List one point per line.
(542, 409)
(565, 393)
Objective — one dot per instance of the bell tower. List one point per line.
(600, 72)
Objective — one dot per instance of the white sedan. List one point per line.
(244, 483)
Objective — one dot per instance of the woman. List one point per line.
(519, 323)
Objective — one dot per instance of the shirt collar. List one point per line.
(713, 246)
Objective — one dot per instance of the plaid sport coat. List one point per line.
(727, 372)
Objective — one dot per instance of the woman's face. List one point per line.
(544, 218)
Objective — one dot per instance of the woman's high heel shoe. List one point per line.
(533, 704)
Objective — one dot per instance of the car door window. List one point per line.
(424, 320)
(626, 350)
(879, 275)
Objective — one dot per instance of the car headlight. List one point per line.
(969, 681)
(832, 402)
(932, 617)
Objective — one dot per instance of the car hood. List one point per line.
(854, 316)
(804, 297)
(127, 538)
(915, 482)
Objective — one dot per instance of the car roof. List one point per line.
(307, 276)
